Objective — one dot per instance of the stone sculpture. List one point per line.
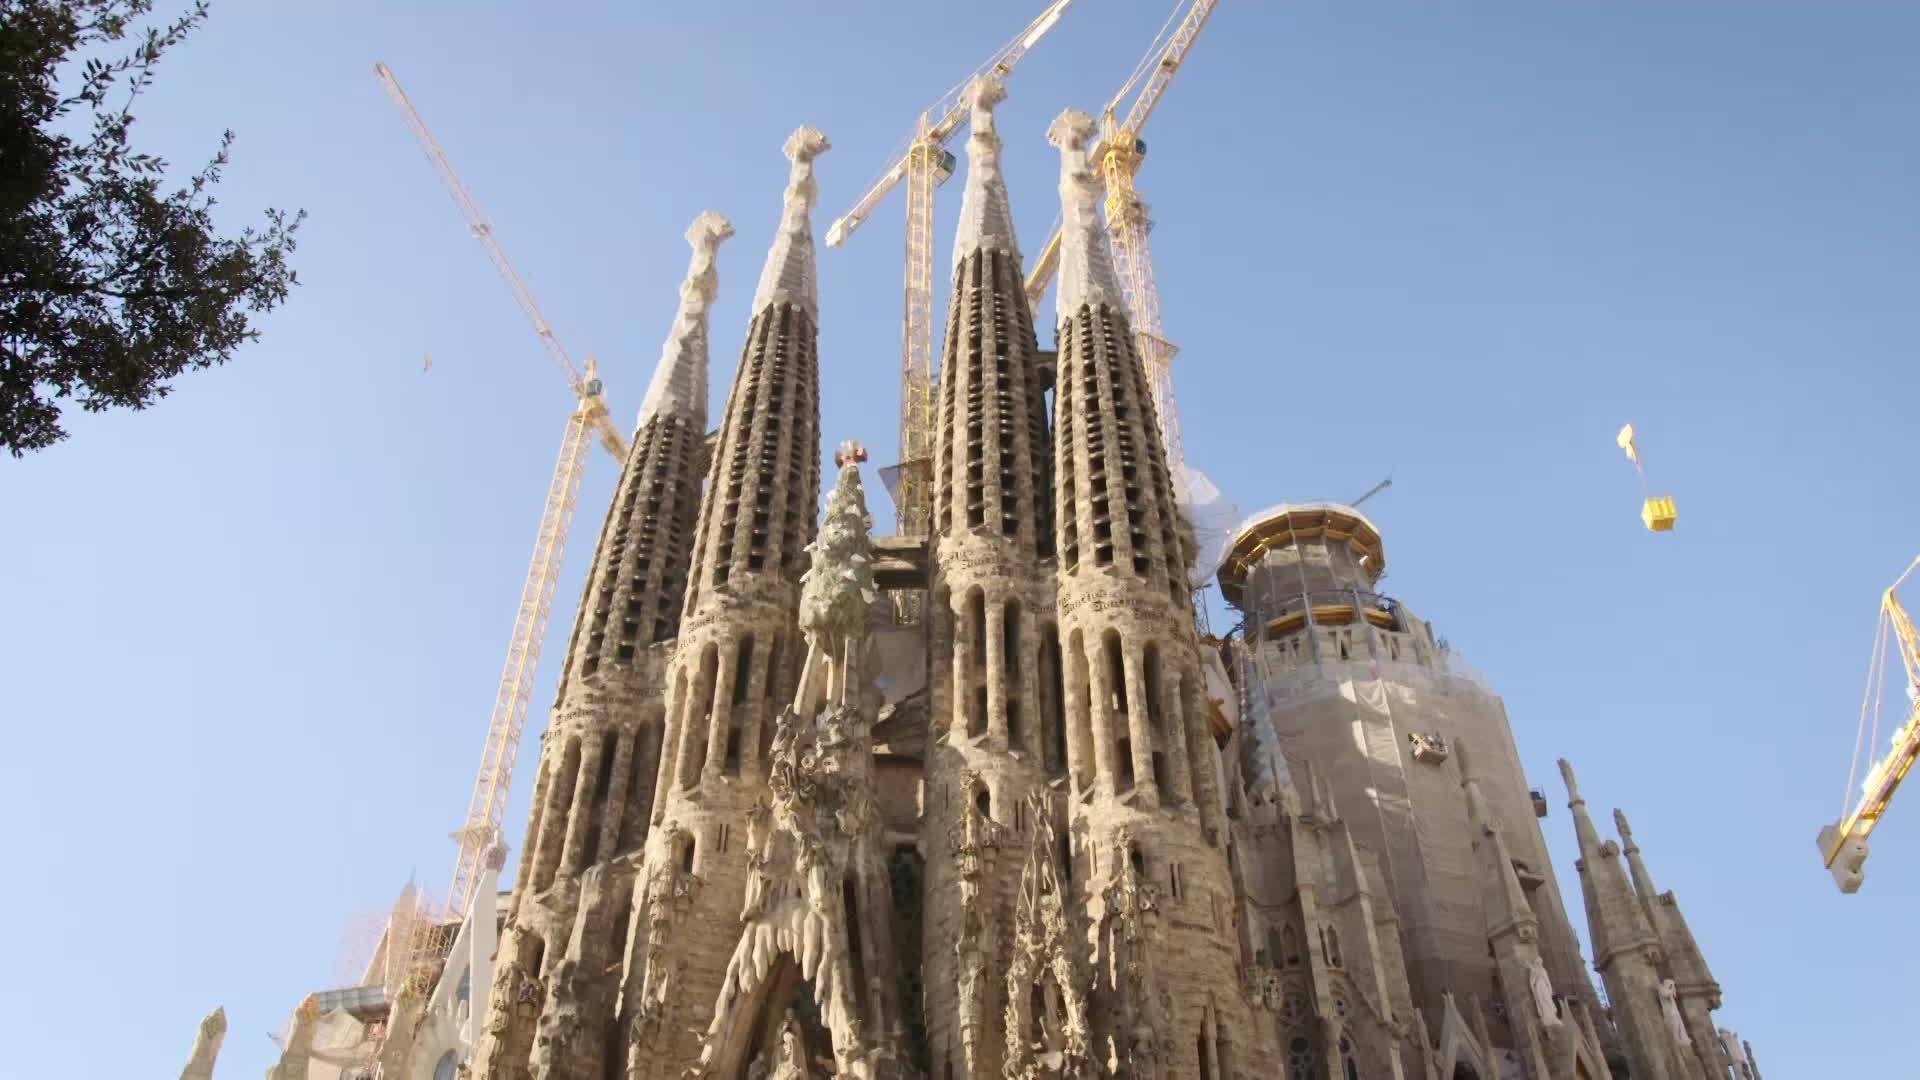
(206, 1046)
(1542, 987)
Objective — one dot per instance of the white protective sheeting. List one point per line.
(1214, 518)
(679, 386)
(789, 273)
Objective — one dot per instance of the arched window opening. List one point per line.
(1290, 947)
(1349, 1067)
(447, 1067)
(773, 668)
(1010, 637)
(1082, 715)
(1053, 732)
(742, 670)
(684, 851)
(1136, 859)
(977, 711)
(1330, 946)
(983, 802)
(1116, 676)
(1464, 1070)
(699, 716)
(856, 949)
(1150, 663)
(977, 627)
(1300, 1056)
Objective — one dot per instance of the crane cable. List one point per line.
(1150, 59)
(1873, 692)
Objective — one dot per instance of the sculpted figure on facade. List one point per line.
(1542, 988)
(1670, 1012)
(1047, 1030)
(816, 852)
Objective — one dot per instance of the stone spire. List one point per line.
(986, 218)
(1614, 915)
(1625, 951)
(733, 664)
(1505, 898)
(296, 1054)
(1697, 991)
(994, 687)
(600, 756)
(1144, 788)
(1513, 935)
(789, 275)
(679, 384)
(206, 1046)
(1086, 264)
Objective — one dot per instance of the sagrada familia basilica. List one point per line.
(1029, 822)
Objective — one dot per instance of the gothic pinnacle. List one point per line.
(679, 385)
(1583, 826)
(789, 275)
(1086, 265)
(986, 219)
(1626, 832)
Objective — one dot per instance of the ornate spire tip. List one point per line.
(806, 143)
(1620, 823)
(708, 230)
(1072, 130)
(983, 94)
(1573, 785)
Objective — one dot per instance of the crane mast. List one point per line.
(1120, 152)
(486, 808)
(924, 166)
(1843, 845)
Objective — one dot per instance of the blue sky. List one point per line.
(255, 631)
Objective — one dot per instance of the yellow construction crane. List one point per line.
(924, 165)
(1120, 151)
(488, 804)
(1843, 845)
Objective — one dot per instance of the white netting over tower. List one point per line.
(1214, 518)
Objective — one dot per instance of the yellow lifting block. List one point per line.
(1658, 513)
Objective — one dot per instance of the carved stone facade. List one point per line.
(1049, 830)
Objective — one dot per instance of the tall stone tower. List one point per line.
(1356, 683)
(599, 756)
(738, 646)
(1149, 863)
(995, 734)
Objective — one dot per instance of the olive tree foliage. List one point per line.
(112, 281)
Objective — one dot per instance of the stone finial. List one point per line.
(1087, 276)
(679, 386)
(206, 1046)
(494, 857)
(788, 276)
(1573, 785)
(986, 219)
(1626, 832)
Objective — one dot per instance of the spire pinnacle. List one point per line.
(1086, 265)
(1583, 826)
(788, 276)
(679, 385)
(986, 220)
(1626, 832)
